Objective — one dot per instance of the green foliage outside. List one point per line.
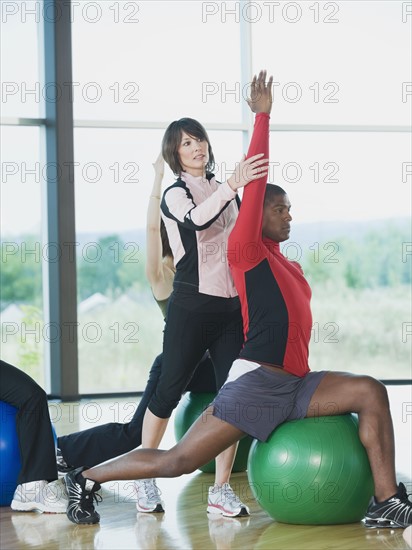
(120, 266)
(31, 352)
(21, 273)
(377, 259)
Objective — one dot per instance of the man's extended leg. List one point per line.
(206, 439)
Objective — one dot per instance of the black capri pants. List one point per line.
(195, 323)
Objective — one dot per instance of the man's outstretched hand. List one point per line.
(260, 100)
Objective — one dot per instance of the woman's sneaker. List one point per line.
(394, 512)
(41, 496)
(82, 492)
(224, 501)
(148, 496)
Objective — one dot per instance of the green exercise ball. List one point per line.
(189, 409)
(313, 471)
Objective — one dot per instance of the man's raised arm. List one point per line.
(248, 228)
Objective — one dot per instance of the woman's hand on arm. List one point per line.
(248, 170)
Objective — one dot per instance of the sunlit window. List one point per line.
(339, 146)
(23, 251)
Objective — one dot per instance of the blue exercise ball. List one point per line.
(10, 463)
(9, 453)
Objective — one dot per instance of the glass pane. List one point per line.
(154, 61)
(22, 251)
(351, 206)
(335, 62)
(121, 326)
(23, 91)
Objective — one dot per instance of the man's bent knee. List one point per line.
(373, 391)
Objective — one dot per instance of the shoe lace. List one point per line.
(88, 499)
(151, 489)
(230, 495)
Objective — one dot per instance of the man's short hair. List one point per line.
(271, 192)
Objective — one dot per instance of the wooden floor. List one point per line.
(186, 525)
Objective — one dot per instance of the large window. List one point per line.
(340, 146)
(23, 92)
(345, 63)
(23, 250)
(154, 61)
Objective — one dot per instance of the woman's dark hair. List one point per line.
(173, 138)
(166, 250)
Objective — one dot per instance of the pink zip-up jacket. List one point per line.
(199, 214)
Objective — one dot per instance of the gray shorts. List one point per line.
(256, 399)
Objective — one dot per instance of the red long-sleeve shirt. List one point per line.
(274, 294)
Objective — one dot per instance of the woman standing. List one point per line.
(204, 310)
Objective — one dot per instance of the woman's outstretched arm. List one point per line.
(158, 274)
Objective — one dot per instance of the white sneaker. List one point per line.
(222, 500)
(41, 496)
(148, 496)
